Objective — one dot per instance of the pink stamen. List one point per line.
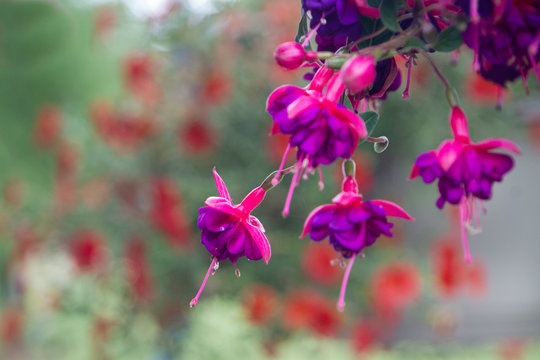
(287, 206)
(524, 82)
(310, 34)
(463, 209)
(195, 300)
(341, 301)
(535, 66)
(236, 271)
(475, 19)
(405, 94)
(275, 180)
(321, 180)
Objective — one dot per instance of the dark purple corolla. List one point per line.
(504, 36)
(465, 171)
(351, 224)
(229, 231)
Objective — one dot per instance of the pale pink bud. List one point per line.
(291, 55)
(358, 73)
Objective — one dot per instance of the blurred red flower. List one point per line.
(67, 159)
(140, 78)
(452, 274)
(104, 22)
(308, 310)
(122, 131)
(167, 215)
(364, 336)
(512, 349)
(276, 146)
(88, 250)
(481, 91)
(260, 303)
(137, 270)
(47, 126)
(394, 286)
(197, 135)
(216, 87)
(317, 264)
(11, 325)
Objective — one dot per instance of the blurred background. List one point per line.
(113, 114)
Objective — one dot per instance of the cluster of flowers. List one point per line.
(505, 38)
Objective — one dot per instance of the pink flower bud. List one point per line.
(358, 73)
(290, 55)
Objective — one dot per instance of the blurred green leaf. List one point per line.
(449, 40)
(389, 14)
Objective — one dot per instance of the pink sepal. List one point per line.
(393, 209)
(335, 88)
(448, 152)
(221, 187)
(414, 172)
(252, 200)
(307, 224)
(279, 92)
(346, 198)
(458, 123)
(260, 241)
(320, 79)
(300, 105)
(349, 117)
(223, 205)
(490, 144)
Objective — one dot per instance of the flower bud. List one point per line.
(290, 55)
(358, 73)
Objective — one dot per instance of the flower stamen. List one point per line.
(214, 265)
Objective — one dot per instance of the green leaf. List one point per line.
(303, 27)
(389, 14)
(449, 40)
(413, 43)
(370, 119)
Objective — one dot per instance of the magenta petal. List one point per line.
(253, 199)
(281, 91)
(320, 209)
(392, 209)
(490, 144)
(237, 241)
(414, 172)
(349, 117)
(220, 184)
(260, 241)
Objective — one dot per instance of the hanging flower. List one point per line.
(465, 171)
(229, 231)
(350, 223)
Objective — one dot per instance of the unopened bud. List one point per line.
(452, 97)
(290, 55)
(380, 146)
(358, 73)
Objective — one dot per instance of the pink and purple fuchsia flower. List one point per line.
(229, 231)
(350, 223)
(465, 171)
(321, 129)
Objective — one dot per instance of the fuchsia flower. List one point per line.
(351, 223)
(229, 231)
(319, 128)
(465, 171)
(358, 73)
(291, 55)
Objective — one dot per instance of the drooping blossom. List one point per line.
(504, 36)
(229, 231)
(319, 128)
(260, 303)
(395, 286)
(307, 309)
(137, 270)
(88, 250)
(167, 214)
(465, 170)
(319, 264)
(48, 126)
(350, 223)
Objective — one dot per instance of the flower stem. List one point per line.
(195, 300)
(435, 68)
(341, 301)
